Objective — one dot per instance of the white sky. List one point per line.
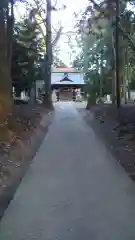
(66, 18)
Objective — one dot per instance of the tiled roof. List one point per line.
(76, 78)
(63, 70)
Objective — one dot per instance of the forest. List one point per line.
(106, 41)
(27, 53)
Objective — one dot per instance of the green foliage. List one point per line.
(96, 29)
(78, 62)
(58, 63)
(26, 57)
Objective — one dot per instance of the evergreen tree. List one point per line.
(27, 55)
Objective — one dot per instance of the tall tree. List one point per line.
(5, 79)
(27, 55)
(43, 18)
(113, 32)
(48, 56)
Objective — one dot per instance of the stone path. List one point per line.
(74, 189)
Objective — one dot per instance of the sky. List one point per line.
(66, 19)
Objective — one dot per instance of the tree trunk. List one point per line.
(113, 70)
(10, 26)
(5, 80)
(129, 97)
(17, 92)
(127, 75)
(117, 54)
(101, 74)
(48, 58)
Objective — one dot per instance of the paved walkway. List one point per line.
(74, 190)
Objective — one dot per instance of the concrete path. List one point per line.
(74, 190)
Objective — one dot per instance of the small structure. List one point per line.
(67, 77)
(65, 82)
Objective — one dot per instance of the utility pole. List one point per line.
(48, 56)
(117, 53)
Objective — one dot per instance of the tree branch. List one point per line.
(125, 35)
(57, 37)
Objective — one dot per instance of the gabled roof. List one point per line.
(66, 79)
(67, 83)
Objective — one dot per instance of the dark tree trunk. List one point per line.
(48, 58)
(117, 54)
(5, 80)
(113, 69)
(17, 92)
(10, 26)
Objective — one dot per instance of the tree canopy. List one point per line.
(96, 27)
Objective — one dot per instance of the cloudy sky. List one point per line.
(66, 18)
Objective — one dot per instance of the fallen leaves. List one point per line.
(118, 130)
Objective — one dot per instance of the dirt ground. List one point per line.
(117, 129)
(16, 155)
